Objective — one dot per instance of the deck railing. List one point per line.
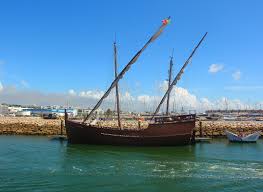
(172, 118)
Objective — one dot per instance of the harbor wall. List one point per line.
(30, 126)
(39, 126)
(217, 128)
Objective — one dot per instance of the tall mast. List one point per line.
(170, 71)
(178, 76)
(127, 67)
(117, 85)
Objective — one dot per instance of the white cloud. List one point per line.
(1, 86)
(24, 84)
(214, 68)
(180, 98)
(126, 96)
(206, 103)
(71, 92)
(236, 75)
(163, 86)
(91, 94)
(144, 98)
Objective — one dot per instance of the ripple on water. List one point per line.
(184, 169)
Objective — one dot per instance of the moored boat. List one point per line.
(251, 138)
(178, 131)
(160, 131)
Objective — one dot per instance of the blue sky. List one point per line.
(54, 46)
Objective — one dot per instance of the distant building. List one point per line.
(14, 109)
(58, 112)
(82, 112)
(8, 110)
(23, 113)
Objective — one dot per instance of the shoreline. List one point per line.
(217, 128)
(49, 127)
(30, 126)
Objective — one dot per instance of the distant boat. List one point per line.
(229, 118)
(242, 139)
(213, 117)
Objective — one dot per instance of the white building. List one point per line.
(14, 109)
(23, 113)
(81, 112)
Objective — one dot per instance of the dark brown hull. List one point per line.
(157, 134)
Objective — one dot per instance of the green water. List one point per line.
(40, 164)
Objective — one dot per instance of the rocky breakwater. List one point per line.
(29, 126)
(39, 126)
(217, 128)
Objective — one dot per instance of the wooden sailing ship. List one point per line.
(160, 131)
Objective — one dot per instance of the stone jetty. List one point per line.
(39, 126)
(217, 128)
(29, 126)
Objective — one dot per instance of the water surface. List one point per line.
(40, 164)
